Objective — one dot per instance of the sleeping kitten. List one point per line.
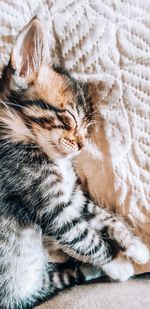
(43, 124)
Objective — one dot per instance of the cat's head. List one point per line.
(41, 103)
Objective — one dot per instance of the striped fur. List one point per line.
(40, 194)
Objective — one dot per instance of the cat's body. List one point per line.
(41, 128)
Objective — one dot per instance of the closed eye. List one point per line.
(68, 119)
(72, 116)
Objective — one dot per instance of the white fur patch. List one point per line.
(119, 269)
(29, 266)
(56, 280)
(138, 252)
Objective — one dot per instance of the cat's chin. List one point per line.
(62, 154)
(70, 154)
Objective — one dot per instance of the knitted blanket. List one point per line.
(106, 43)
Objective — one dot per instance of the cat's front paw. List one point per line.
(119, 269)
(138, 252)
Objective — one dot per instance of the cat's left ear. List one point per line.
(30, 51)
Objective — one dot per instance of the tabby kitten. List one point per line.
(43, 123)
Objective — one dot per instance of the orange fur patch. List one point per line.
(52, 88)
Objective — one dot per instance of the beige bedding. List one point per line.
(128, 295)
(106, 42)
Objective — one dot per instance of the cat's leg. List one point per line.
(26, 277)
(94, 235)
(116, 228)
(22, 265)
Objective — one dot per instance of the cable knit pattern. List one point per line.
(105, 42)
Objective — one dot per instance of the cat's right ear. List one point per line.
(30, 51)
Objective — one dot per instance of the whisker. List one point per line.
(14, 104)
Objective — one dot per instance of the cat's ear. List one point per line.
(30, 50)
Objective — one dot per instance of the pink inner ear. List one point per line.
(26, 64)
(28, 54)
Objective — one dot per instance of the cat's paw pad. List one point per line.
(119, 269)
(138, 252)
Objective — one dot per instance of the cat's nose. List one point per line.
(81, 143)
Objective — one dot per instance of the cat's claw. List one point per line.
(138, 252)
(119, 269)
